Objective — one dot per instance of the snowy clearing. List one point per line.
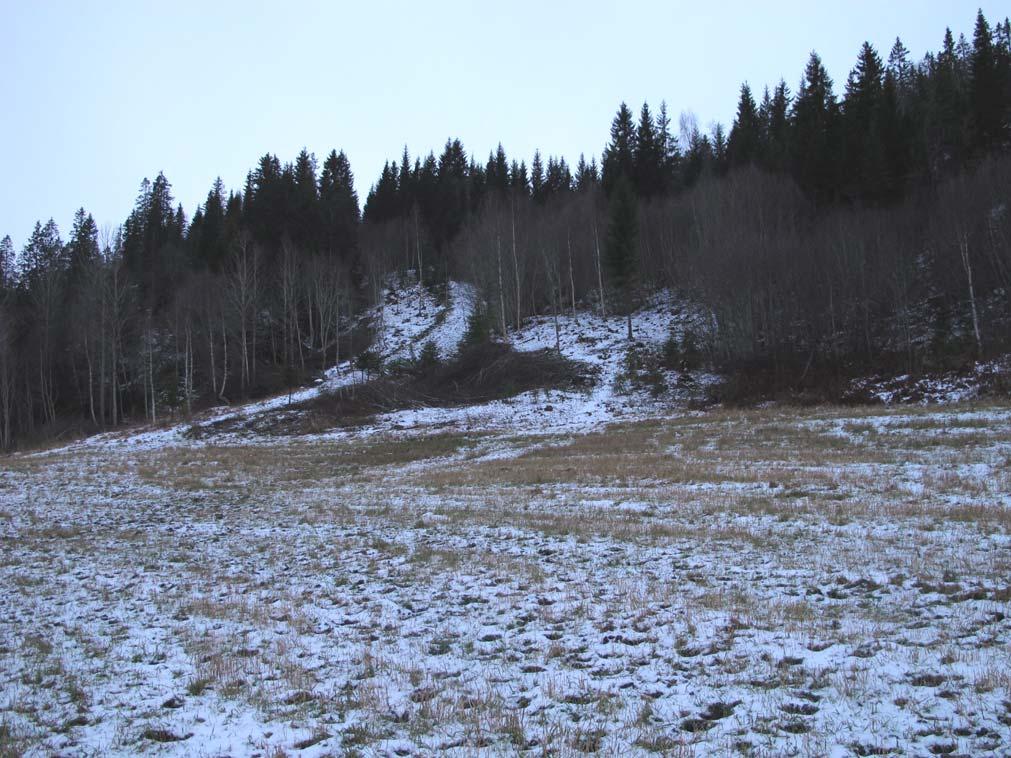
(770, 582)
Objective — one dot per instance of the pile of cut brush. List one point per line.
(478, 374)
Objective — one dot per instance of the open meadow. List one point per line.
(765, 582)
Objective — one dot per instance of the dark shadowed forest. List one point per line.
(835, 228)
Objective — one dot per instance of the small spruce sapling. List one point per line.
(369, 362)
(478, 328)
(429, 358)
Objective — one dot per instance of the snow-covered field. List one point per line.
(562, 573)
(762, 582)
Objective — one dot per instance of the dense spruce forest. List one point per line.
(831, 230)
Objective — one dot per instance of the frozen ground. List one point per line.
(972, 382)
(560, 573)
(757, 583)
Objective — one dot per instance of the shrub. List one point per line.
(429, 358)
(478, 328)
(369, 362)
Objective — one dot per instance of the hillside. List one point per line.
(408, 316)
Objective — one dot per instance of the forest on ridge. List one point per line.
(831, 230)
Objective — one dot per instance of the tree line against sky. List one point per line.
(830, 230)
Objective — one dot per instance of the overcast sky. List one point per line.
(97, 95)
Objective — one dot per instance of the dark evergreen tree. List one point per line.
(720, 162)
(776, 147)
(153, 243)
(813, 132)
(519, 182)
(699, 156)
(946, 114)
(43, 255)
(620, 255)
(233, 220)
(537, 178)
(987, 92)
(648, 158)
(338, 204)
(497, 171)
(558, 180)
(895, 132)
(384, 201)
(744, 143)
(208, 231)
(586, 174)
(82, 248)
(477, 186)
(670, 154)
(901, 68)
(305, 223)
(404, 179)
(619, 155)
(864, 161)
(450, 203)
(265, 202)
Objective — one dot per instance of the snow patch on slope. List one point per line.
(599, 341)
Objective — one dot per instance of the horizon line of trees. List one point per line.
(821, 230)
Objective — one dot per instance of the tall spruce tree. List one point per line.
(208, 232)
(813, 131)
(619, 155)
(82, 247)
(901, 68)
(265, 204)
(306, 220)
(497, 170)
(43, 254)
(537, 178)
(620, 256)
(775, 125)
(946, 115)
(987, 93)
(648, 158)
(864, 160)
(670, 153)
(720, 163)
(152, 242)
(745, 138)
(339, 207)
(586, 174)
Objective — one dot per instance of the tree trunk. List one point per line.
(600, 273)
(501, 289)
(967, 264)
(516, 266)
(572, 281)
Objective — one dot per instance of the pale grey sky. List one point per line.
(97, 95)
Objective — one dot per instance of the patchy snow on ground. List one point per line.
(943, 388)
(600, 342)
(558, 573)
(409, 316)
(770, 582)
